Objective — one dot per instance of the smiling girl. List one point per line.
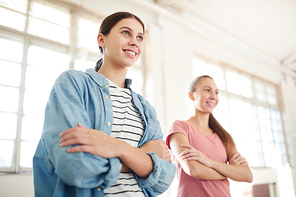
(100, 138)
(204, 153)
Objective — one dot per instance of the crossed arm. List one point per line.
(196, 164)
(98, 143)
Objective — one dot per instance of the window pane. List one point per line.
(137, 78)
(10, 73)
(87, 34)
(232, 82)
(27, 152)
(32, 127)
(275, 114)
(9, 99)
(40, 79)
(19, 5)
(6, 153)
(259, 89)
(218, 75)
(35, 102)
(49, 22)
(48, 30)
(277, 126)
(256, 160)
(271, 95)
(8, 122)
(83, 64)
(58, 16)
(12, 19)
(264, 118)
(11, 50)
(246, 87)
(47, 59)
(221, 113)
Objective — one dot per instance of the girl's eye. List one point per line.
(217, 93)
(126, 33)
(140, 38)
(207, 90)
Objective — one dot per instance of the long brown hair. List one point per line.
(108, 23)
(213, 123)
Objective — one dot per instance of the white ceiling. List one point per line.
(268, 26)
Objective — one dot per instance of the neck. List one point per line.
(116, 75)
(200, 120)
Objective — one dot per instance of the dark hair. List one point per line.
(108, 23)
(213, 123)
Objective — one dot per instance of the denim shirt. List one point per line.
(84, 97)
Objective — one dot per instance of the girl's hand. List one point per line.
(159, 148)
(192, 154)
(91, 141)
(237, 159)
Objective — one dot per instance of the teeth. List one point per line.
(130, 52)
(211, 103)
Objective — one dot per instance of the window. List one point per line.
(35, 47)
(248, 109)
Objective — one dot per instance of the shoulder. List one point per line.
(71, 75)
(179, 126)
(179, 123)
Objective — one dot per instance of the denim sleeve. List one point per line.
(64, 109)
(163, 171)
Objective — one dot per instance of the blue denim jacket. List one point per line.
(84, 97)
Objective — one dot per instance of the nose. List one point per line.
(133, 42)
(214, 96)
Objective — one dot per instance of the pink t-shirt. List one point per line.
(213, 148)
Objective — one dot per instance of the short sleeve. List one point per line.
(177, 126)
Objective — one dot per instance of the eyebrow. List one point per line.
(124, 27)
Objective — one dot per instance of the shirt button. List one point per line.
(108, 123)
(106, 96)
(106, 86)
(98, 188)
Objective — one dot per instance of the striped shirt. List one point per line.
(127, 126)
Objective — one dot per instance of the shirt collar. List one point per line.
(101, 79)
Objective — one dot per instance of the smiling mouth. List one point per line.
(130, 52)
(212, 104)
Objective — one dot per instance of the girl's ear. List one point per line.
(191, 97)
(100, 40)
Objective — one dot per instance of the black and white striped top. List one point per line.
(127, 126)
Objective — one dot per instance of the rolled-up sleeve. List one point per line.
(66, 107)
(161, 177)
(163, 171)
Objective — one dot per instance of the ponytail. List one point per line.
(99, 65)
(224, 135)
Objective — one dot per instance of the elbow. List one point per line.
(194, 172)
(247, 178)
(250, 178)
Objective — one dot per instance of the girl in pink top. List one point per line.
(203, 151)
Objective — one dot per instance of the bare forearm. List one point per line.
(235, 172)
(200, 171)
(134, 159)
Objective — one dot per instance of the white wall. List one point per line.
(174, 41)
